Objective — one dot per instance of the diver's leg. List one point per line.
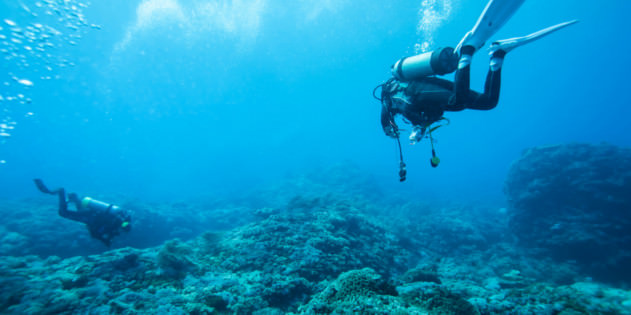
(494, 77)
(79, 216)
(41, 187)
(63, 204)
(462, 81)
(72, 197)
(491, 95)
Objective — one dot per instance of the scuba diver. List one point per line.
(421, 98)
(104, 220)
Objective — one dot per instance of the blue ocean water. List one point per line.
(181, 99)
(247, 129)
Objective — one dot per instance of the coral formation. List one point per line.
(315, 254)
(573, 202)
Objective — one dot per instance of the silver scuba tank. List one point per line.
(437, 62)
(92, 204)
(88, 203)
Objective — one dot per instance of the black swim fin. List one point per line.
(40, 185)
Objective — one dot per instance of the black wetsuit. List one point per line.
(103, 225)
(428, 98)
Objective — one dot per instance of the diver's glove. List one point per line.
(417, 134)
(391, 131)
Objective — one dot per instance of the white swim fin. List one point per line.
(495, 15)
(512, 43)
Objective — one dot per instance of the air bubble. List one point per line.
(29, 46)
(25, 82)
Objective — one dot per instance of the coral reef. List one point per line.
(313, 254)
(362, 291)
(316, 241)
(309, 257)
(573, 202)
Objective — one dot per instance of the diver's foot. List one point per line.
(466, 54)
(468, 40)
(497, 59)
(467, 50)
(497, 53)
(503, 46)
(509, 44)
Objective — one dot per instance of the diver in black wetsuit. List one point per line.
(104, 221)
(421, 98)
(423, 101)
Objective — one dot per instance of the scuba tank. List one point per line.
(88, 203)
(437, 62)
(96, 205)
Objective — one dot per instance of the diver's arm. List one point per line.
(96, 233)
(387, 123)
(385, 118)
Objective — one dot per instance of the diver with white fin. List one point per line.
(421, 98)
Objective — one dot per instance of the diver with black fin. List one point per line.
(415, 92)
(104, 221)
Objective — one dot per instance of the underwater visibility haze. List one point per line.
(244, 137)
(183, 99)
